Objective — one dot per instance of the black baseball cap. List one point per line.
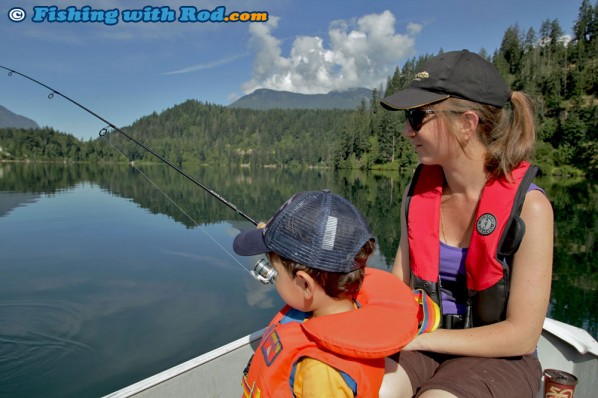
(460, 74)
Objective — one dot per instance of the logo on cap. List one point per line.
(486, 224)
(421, 75)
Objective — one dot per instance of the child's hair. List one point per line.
(336, 284)
(508, 133)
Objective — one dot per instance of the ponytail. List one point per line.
(508, 133)
(512, 139)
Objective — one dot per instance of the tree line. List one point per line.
(560, 72)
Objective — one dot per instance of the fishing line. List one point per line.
(113, 127)
(205, 231)
(104, 131)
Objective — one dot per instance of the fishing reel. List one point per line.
(264, 272)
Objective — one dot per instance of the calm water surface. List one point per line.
(104, 281)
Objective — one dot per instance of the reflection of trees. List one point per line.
(575, 272)
(378, 195)
(10, 200)
(260, 191)
(39, 177)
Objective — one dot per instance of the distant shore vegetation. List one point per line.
(559, 71)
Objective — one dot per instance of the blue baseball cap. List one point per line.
(318, 229)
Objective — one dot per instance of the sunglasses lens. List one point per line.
(415, 117)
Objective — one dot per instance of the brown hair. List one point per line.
(336, 284)
(508, 133)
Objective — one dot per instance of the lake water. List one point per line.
(105, 281)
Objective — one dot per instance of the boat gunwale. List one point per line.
(186, 366)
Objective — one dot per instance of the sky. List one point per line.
(123, 70)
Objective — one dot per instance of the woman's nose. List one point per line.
(408, 130)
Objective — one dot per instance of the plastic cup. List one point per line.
(559, 384)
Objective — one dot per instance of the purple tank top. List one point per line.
(452, 275)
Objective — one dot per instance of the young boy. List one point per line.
(341, 319)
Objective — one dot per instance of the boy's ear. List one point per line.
(307, 284)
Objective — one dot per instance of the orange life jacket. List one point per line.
(497, 233)
(354, 342)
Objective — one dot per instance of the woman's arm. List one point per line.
(528, 300)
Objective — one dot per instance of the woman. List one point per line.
(477, 235)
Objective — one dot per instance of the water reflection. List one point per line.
(11, 200)
(34, 336)
(106, 281)
(574, 296)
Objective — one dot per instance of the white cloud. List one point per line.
(362, 53)
(204, 66)
(414, 28)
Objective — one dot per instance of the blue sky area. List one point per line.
(125, 70)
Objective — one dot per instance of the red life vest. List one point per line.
(496, 236)
(354, 342)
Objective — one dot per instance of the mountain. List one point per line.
(10, 119)
(271, 99)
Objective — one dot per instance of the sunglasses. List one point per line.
(416, 116)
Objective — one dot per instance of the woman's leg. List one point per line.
(396, 383)
(437, 394)
(429, 375)
(406, 371)
(472, 377)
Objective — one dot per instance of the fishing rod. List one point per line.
(104, 131)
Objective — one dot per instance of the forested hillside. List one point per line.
(196, 132)
(561, 74)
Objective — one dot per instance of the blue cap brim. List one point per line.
(250, 243)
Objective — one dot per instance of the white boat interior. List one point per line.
(218, 372)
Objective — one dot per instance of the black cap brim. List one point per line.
(250, 243)
(411, 98)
